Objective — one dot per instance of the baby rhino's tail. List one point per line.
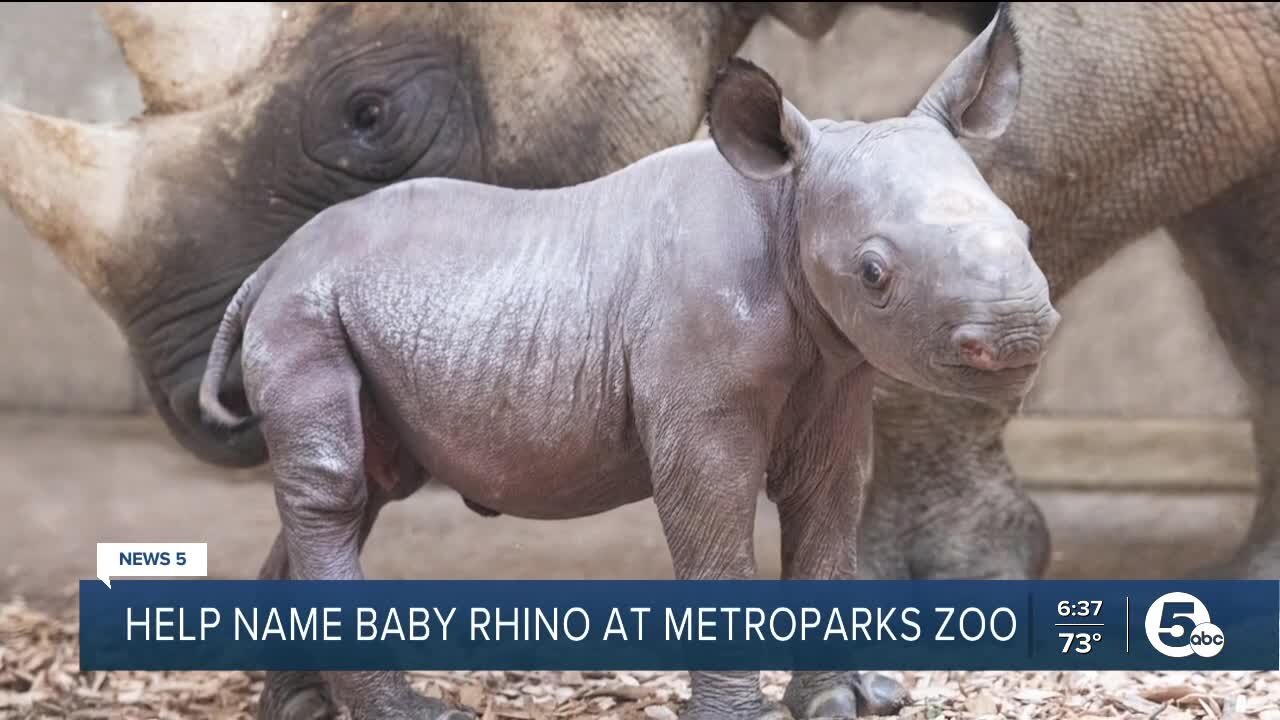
(224, 346)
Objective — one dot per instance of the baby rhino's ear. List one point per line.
(977, 94)
(760, 133)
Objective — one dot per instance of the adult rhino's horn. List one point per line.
(67, 182)
(189, 55)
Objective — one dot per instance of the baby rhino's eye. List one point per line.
(873, 274)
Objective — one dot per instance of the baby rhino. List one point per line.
(694, 328)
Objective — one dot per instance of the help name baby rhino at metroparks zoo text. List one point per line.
(694, 328)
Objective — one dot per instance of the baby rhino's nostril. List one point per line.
(974, 352)
(974, 348)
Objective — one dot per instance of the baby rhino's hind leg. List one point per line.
(308, 392)
(391, 474)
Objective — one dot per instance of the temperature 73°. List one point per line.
(1080, 643)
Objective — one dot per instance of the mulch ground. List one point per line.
(40, 678)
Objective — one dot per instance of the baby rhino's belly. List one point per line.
(528, 442)
(526, 478)
(519, 403)
(523, 456)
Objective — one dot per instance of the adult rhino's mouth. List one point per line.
(179, 406)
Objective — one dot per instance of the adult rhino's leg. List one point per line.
(944, 502)
(317, 441)
(1231, 248)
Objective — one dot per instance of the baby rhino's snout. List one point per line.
(1007, 324)
(988, 349)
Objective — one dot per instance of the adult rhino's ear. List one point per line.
(760, 133)
(978, 92)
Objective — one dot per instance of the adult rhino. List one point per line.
(258, 115)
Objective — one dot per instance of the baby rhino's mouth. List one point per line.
(1021, 373)
(986, 367)
(1003, 388)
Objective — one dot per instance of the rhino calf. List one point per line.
(694, 328)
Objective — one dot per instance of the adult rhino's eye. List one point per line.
(367, 116)
(873, 274)
(386, 108)
(366, 113)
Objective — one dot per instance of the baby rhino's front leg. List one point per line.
(819, 491)
(707, 473)
(311, 417)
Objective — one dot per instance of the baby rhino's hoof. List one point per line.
(844, 696)
(295, 696)
(838, 702)
(309, 704)
(880, 695)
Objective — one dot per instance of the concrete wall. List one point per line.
(1159, 357)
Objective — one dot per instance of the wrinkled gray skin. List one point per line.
(699, 326)
(1131, 117)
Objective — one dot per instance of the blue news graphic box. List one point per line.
(679, 625)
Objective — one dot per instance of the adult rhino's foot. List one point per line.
(843, 695)
(296, 696)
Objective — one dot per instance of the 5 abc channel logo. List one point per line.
(1178, 625)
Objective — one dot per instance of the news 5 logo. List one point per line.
(1178, 625)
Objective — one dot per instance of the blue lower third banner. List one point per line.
(679, 625)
